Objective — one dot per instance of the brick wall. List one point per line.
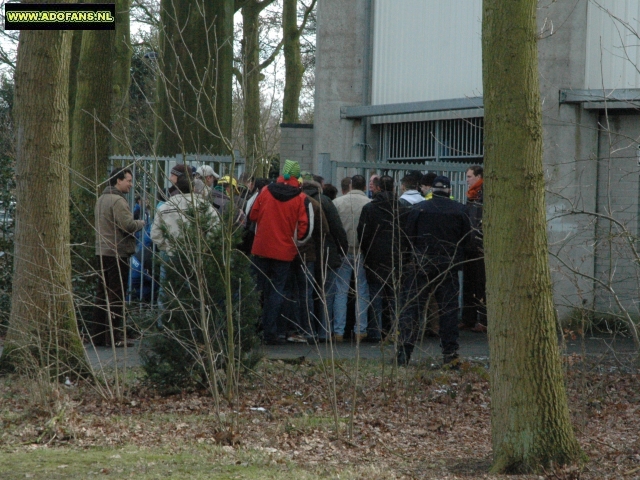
(296, 143)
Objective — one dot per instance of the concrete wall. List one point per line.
(617, 270)
(570, 153)
(296, 143)
(573, 154)
(341, 67)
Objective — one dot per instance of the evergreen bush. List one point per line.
(194, 316)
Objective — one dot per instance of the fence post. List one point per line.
(324, 167)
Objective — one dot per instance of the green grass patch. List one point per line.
(205, 462)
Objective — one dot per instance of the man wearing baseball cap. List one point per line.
(438, 231)
(208, 176)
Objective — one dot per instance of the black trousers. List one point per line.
(473, 293)
(109, 303)
(442, 282)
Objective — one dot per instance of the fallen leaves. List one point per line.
(415, 423)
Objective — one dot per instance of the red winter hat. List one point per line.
(293, 181)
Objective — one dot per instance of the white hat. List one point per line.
(206, 171)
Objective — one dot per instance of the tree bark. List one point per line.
(121, 80)
(294, 70)
(251, 76)
(76, 45)
(90, 136)
(42, 331)
(195, 82)
(530, 420)
(224, 73)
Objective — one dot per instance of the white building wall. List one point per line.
(613, 44)
(426, 50)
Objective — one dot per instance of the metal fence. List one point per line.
(151, 174)
(446, 147)
(454, 170)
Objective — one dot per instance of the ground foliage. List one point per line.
(418, 423)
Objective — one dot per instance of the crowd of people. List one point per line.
(397, 252)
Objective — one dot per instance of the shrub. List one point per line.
(192, 343)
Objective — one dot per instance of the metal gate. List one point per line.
(446, 147)
(151, 174)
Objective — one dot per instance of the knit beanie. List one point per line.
(291, 169)
(180, 170)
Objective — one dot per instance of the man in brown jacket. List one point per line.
(115, 243)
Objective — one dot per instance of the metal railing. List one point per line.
(151, 174)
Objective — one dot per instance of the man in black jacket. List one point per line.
(329, 256)
(380, 238)
(438, 231)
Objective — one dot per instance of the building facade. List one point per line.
(400, 84)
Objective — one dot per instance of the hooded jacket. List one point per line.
(115, 225)
(410, 197)
(172, 214)
(284, 219)
(322, 239)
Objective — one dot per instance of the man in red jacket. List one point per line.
(284, 220)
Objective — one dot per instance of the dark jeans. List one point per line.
(473, 293)
(418, 284)
(325, 303)
(109, 303)
(298, 311)
(383, 303)
(272, 278)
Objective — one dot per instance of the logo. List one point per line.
(62, 16)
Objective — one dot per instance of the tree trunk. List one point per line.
(76, 45)
(196, 61)
(90, 137)
(121, 80)
(42, 331)
(251, 87)
(224, 76)
(294, 70)
(531, 427)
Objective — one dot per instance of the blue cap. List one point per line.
(441, 182)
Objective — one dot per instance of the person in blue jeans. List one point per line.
(349, 207)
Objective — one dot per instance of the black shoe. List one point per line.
(274, 341)
(404, 355)
(451, 361)
(371, 339)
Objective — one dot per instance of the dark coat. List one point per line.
(336, 244)
(310, 251)
(439, 231)
(475, 247)
(380, 234)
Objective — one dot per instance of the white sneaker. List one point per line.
(296, 338)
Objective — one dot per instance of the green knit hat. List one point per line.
(291, 169)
